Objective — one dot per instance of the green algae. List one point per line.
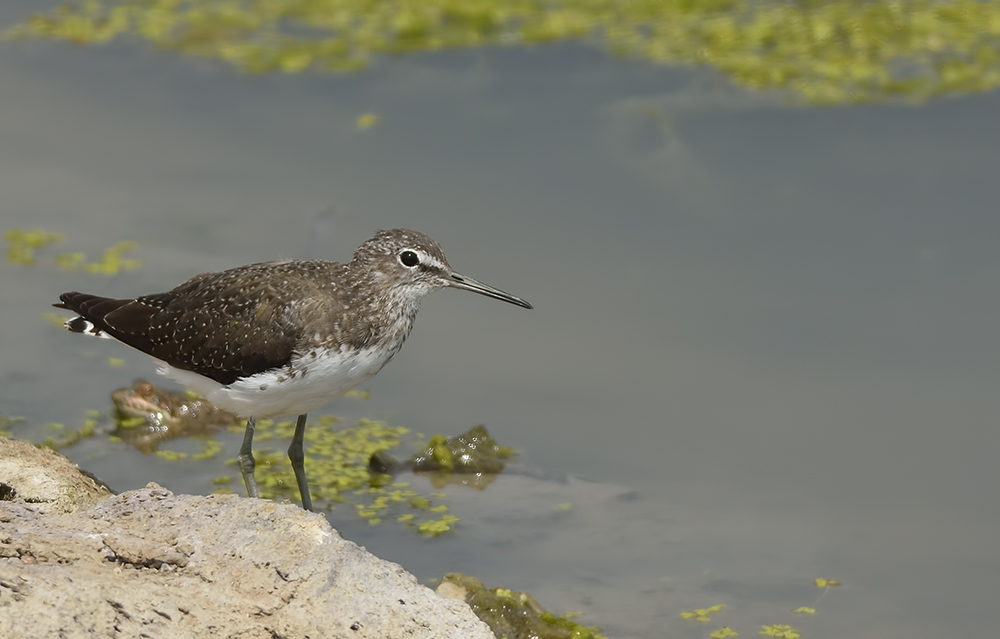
(701, 615)
(68, 436)
(779, 632)
(515, 615)
(8, 422)
(23, 244)
(472, 452)
(337, 468)
(336, 461)
(836, 52)
(110, 263)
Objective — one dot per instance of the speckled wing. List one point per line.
(224, 325)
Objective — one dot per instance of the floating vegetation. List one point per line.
(367, 121)
(337, 468)
(837, 52)
(513, 614)
(701, 615)
(472, 459)
(779, 632)
(111, 262)
(22, 244)
(7, 422)
(68, 437)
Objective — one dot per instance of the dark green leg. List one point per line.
(297, 456)
(245, 459)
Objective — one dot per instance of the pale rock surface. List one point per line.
(148, 563)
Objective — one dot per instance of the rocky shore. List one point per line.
(77, 561)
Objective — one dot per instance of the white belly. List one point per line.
(314, 383)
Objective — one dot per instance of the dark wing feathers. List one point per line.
(221, 325)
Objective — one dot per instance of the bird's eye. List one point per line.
(409, 258)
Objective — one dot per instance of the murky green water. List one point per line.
(763, 349)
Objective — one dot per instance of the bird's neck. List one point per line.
(388, 312)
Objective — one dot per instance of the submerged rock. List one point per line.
(471, 459)
(146, 415)
(511, 614)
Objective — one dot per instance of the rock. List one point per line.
(153, 564)
(45, 479)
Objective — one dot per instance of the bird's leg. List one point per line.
(297, 456)
(245, 459)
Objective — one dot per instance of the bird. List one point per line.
(282, 338)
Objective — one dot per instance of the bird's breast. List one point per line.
(310, 381)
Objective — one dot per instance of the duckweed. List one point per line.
(7, 422)
(516, 614)
(438, 527)
(22, 245)
(837, 52)
(367, 121)
(779, 632)
(170, 455)
(701, 615)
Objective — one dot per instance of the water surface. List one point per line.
(763, 348)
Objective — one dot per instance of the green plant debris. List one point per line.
(779, 632)
(130, 423)
(337, 469)
(212, 449)
(7, 422)
(170, 455)
(111, 263)
(564, 506)
(474, 451)
(701, 615)
(67, 436)
(805, 611)
(826, 583)
(367, 121)
(437, 527)
(420, 503)
(837, 52)
(115, 362)
(54, 319)
(336, 461)
(514, 614)
(22, 244)
(724, 633)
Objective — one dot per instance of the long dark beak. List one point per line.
(468, 284)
